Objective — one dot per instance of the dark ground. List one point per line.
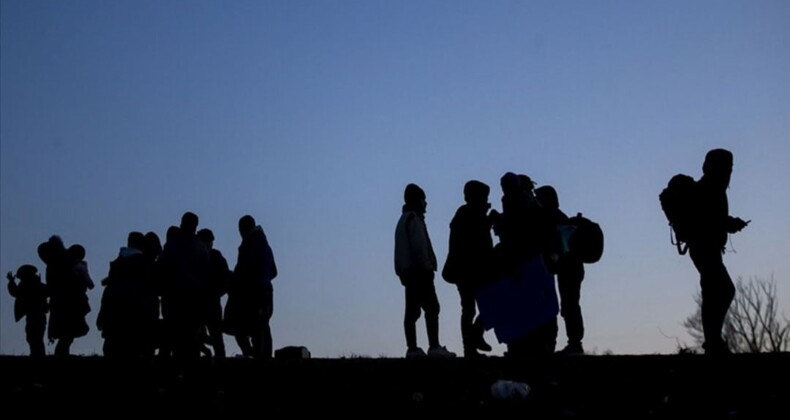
(666, 386)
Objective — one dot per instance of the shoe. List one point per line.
(415, 353)
(440, 352)
(483, 346)
(572, 349)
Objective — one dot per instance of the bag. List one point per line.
(450, 272)
(678, 201)
(586, 241)
(292, 353)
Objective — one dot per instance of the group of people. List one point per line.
(163, 300)
(532, 226)
(528, 227)
(64, 296)
(167, 299)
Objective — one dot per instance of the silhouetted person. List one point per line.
(570, 274)
(707, 246)
(79, 266)
(219, 278)
(184, 265)
(524, 230)
(469, 260)
(251, 296)
(123, 318)
(68, 302)
(522, 225)
(151, 292)
(168, 300)
(415, 264)
(30, 303)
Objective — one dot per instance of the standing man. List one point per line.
(415, 265)
(219, 276)
(184, 265)
(570, 274)
(252, 283)
(707, 244)
(469, 259)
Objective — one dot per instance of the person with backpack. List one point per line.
(68, 299)
(569, 269)
(415, 265)
(529, 327)
(707, 243)
(469, 260)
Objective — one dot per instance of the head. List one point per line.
(189, 223)
(246, 224)
(153, 246)
(27, 272)
(206, 236)
(76, 252)
(476, 192)
(718, 166)
(52, 250)
(136, 240)
(414, 197)
(526, 183)
(547, 196)
(172, 232)
(509, 183)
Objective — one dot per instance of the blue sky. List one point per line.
(312, 116)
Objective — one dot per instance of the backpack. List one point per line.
(678, 203)
(586, 241)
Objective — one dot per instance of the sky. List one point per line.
(312, 116)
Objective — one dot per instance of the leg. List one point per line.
(718, 292)
(268, 311)
(569, 282)
(430, 304)
(262, 337)
(215, 331)
(34, 333)
(411, 314)
(63, 348)
(470, 335)
(243, 342)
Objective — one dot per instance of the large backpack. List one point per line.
(678, 203)
(586, 241)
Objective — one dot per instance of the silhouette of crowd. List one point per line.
(530, 230)
(157, 299)
(166, 299)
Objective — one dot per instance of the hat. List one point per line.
(413, 194)
(717, 159)
(26, 271)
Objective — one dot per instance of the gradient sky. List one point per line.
(312, 116)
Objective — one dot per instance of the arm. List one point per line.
(418, 243)
(12, 286)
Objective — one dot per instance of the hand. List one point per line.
(738, 224)
(10, 276)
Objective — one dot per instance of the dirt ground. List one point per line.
(652, 386)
